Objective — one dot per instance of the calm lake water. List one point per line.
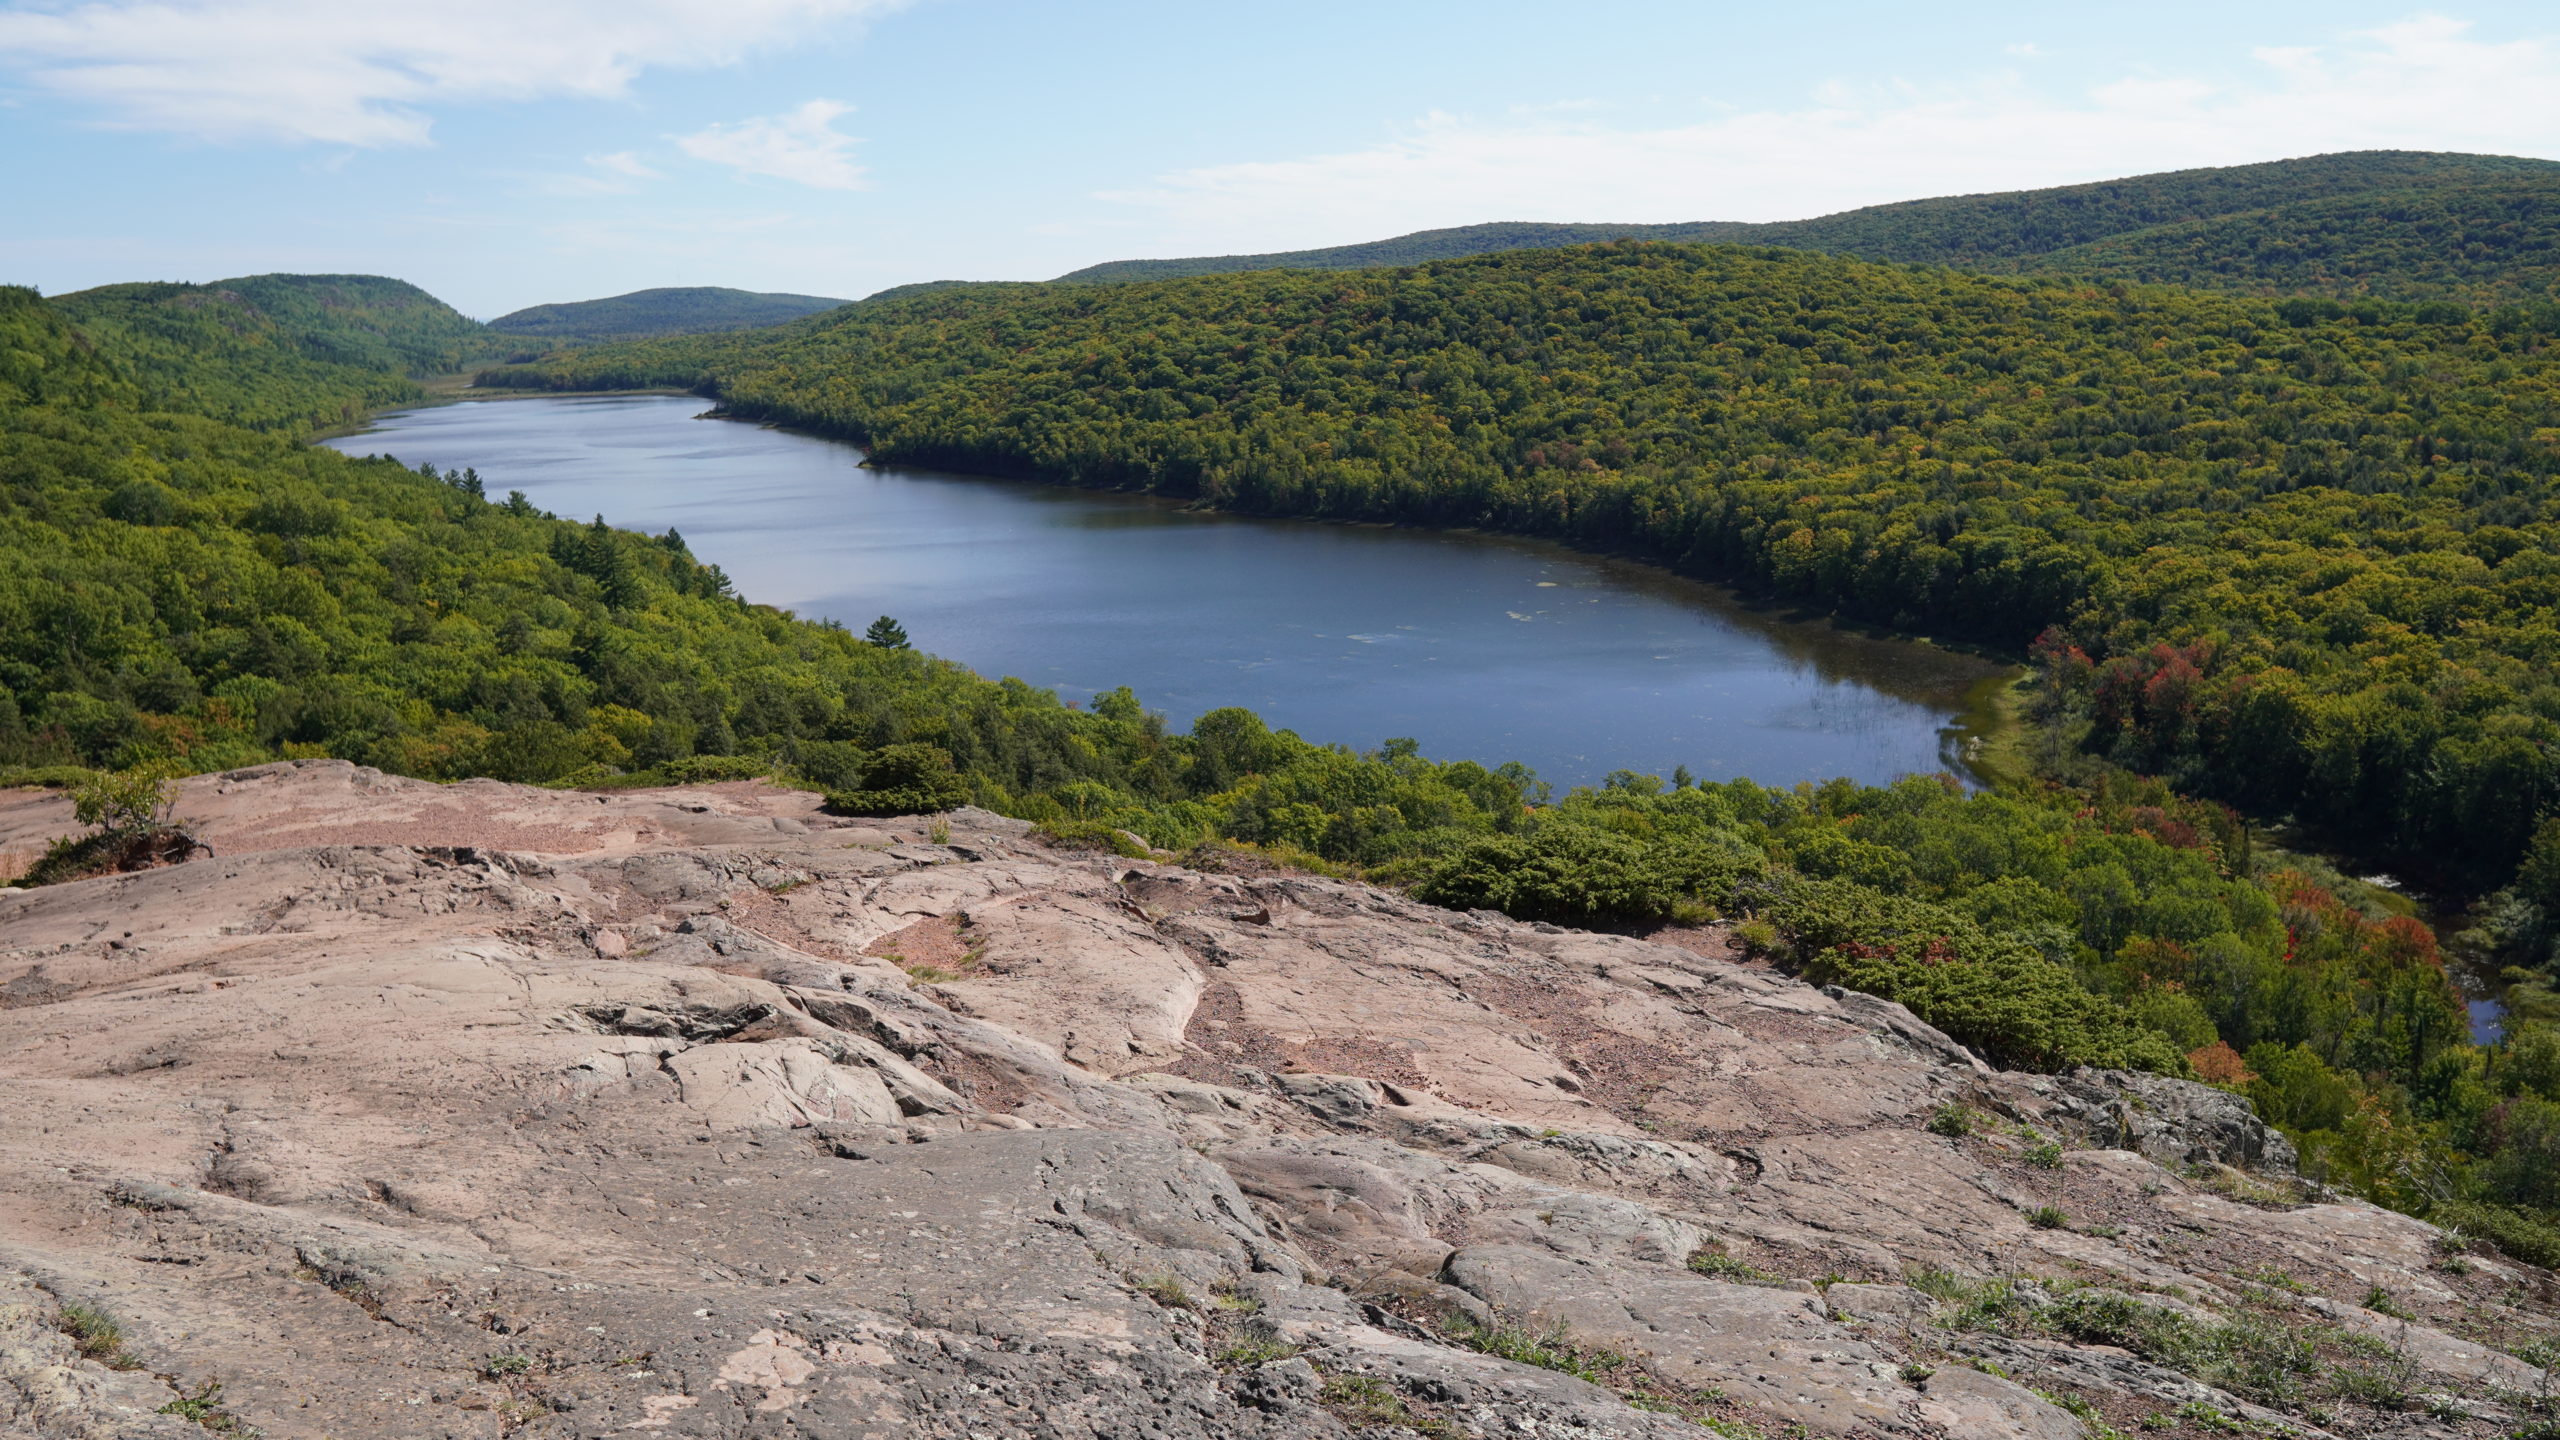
(1480, 647)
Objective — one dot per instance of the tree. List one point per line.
(119, 801)
(888, 634)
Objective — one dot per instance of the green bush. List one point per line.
(2107, 1317)
(1093, 834)
(2525, 1170)
(904, 780)
(707, 769)
(830, 764)
(47, 777)
(2176, 1015)
(123, 800)
(2518, 1234)
(1995, 993)
(1575, 874)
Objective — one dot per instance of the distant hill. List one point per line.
(277, 351)
(2484, 242)
(677, 310)
(927, 287)
(2005, 231)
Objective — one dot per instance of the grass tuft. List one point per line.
(96, 1334)
(1551, 1349)
(204, 1407)
(1716, 1265)
(1252, 1350)
(1165, 1290)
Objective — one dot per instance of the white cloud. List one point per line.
(802, 146)
(2423, 83)
(623, 162)
(362, 72)
(619, 173)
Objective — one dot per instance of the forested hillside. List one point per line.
(2280, 227)
(2296, 554)
(684, 310)
(278, 352)
(2479, 243)
(178, 591)
(1417, 248)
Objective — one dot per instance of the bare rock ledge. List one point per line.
(480, 1111)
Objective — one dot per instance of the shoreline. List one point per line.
(1980, 740)
(440, 393)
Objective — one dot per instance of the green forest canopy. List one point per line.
(299, 353)
(176, 588)
(2297, 554)
(2481, 242)
(682, 310)
(276, 352)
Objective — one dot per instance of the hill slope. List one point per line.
(276, 352)
(683, 310)
(1917, 447)
(2481, 243)
(1993, 230)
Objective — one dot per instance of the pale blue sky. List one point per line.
(506, 152)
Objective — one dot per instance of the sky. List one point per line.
(504, 153)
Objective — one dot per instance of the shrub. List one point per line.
(123, 800)
(710, 769)
(49, 777)
(2106, 1317)
(1995, 993)
(904, 780)
(1575, 874)
(2526, 1169)
(131, 810)
(1094, 835)
(2519, 1235)
(832, 764)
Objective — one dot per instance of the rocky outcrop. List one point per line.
(480, 1111)
(2171, 1121)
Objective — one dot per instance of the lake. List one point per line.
(1480, 647)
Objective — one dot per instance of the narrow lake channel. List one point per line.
(1478, 646)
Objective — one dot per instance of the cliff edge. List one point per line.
(480, 1111)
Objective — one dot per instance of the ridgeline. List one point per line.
(687, 310)
(2398, 224)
